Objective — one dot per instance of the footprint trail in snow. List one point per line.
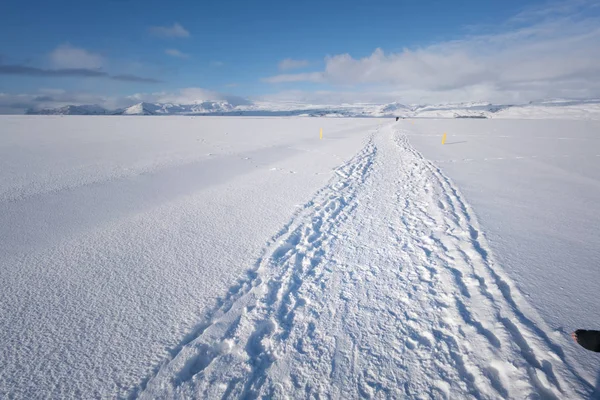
(381, 287)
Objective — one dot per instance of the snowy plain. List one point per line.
(119, 234)
(168, 257)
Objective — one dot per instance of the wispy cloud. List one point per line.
(70, 72)
(289, 63)
(303, 77)
(170, 31)
(67, 56)
(134, 78)
(217, 64)
(553, 9)
(63, 72)
(176, 53)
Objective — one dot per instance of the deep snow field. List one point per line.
(211, 257)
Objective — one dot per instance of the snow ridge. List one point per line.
(381, 286)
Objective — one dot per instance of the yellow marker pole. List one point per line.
(321, 133)
(444, 138)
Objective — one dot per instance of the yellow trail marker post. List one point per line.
(321, 133)
(444, 138)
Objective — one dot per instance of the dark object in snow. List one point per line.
(397, 118)
(587, 339)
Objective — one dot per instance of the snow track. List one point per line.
(381, 287)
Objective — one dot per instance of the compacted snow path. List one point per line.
(382, 286)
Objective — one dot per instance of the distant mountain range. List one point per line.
(140, 109)
(70, 110)
(579, 109)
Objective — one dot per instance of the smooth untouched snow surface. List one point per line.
(119, 234)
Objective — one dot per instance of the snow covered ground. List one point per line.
(177, 256)
(118, 234)
(535, 187)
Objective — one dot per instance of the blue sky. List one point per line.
(118, 51)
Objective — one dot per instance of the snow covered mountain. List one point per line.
(204, 107)
(140, 109)
(460, 110)
(569, 109)
(71, 110)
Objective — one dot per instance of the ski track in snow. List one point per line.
(381, 287)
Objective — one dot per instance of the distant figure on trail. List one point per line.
(397, 118)
(587, 339)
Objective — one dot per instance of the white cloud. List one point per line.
(170, 31)
(558, 56)
(290, 63)
(176, 53)
(329, 97)
(67, 56)
(217, 64)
